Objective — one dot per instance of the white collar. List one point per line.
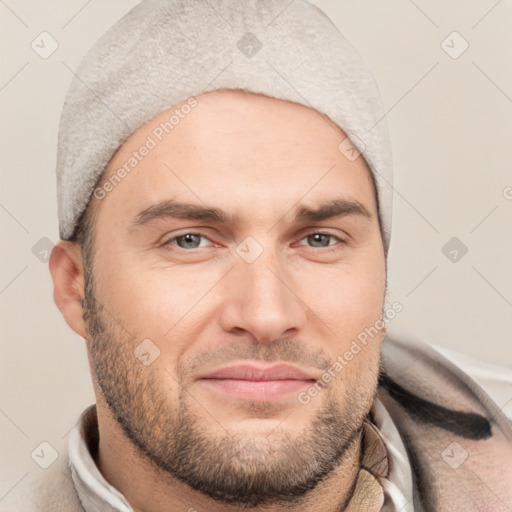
(95, 493)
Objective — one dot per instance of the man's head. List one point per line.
(264, 280)
(234, 224)
(165, 52)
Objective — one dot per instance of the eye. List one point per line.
(192, 240)
(186, 241)
(319, 239)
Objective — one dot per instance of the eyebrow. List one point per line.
(178, 210)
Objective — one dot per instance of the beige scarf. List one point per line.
(458, 441)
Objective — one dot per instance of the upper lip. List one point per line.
(261, 373)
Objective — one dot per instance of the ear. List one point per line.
(66, 270)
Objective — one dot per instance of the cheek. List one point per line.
(348, 298)
(165, 304)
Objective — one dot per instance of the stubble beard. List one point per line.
(228, 467)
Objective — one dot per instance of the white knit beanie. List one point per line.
(165, 51)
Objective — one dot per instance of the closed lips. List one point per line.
(249, 372)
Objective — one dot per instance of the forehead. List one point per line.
(236, 146)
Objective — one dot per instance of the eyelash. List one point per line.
(330, 247)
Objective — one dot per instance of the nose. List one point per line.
(261, 299)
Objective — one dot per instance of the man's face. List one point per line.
(253, 286)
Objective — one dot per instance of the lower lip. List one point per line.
(258, 390)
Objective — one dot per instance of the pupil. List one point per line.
(189, 239)
(317, 236)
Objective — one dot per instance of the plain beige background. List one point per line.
(451, 124)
